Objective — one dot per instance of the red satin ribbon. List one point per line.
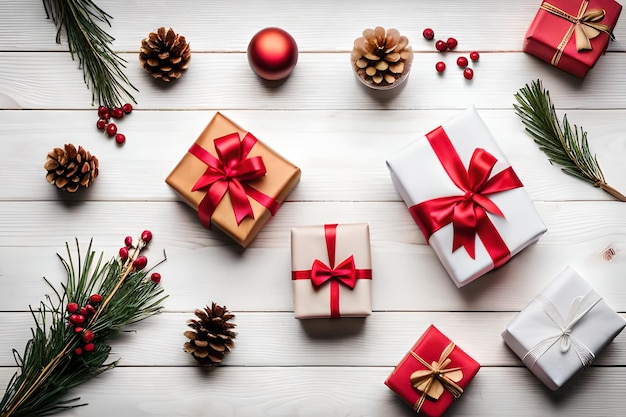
(345, 273)
(467, 212)
(230, 172)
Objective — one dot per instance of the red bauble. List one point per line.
(272, 54)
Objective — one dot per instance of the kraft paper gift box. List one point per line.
(572, 34)
(233, 180)
(563, 329)
(465, 197)
(331, 271)
(432, 374)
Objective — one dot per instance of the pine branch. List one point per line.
(564, 145)
(66, 350)
(102, 67)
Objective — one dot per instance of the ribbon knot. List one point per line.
(467, 212)
(230, 173)
(436, 378)
(344, 273)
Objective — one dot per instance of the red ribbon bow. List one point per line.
(467, 212)
(230, 173)
(345, 273)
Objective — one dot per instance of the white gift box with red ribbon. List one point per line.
(465, 197)
(331, 271)
(563, 329)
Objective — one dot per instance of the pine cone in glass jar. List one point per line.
(381, 58)
(165, 54)
(70, 168)
(211, 336)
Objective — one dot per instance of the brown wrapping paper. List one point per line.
(281, 178)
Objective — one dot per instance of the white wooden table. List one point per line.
(340, 134)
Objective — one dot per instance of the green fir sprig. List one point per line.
(565, 145)
(102, 67)
(70, 344)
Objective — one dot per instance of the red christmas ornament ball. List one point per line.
(272, 54)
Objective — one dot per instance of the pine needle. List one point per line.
(102, 67)
(50, 366)
(565, 145)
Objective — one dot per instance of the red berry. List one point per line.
(441, 46)
(123, 253)
(111, 129)
(140, 262)
(461, 62)
(78, 329)
(468, 73)
(155, 277)
(88, 336)
(440, 66)
(474, 56)
(452, 43)
(89, 347)
(103, 111)
(72, 307)
(120, 138)
(90, 309)
(78, 351)
(101, 124)
(146, 236)
(77, 318)
(83, 311)
(128, 241)
(117, 113)
(95, 298)
(127, 108)
(428, 33)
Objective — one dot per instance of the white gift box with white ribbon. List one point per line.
(418, 175)
(563, 329)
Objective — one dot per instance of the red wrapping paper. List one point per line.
(547, 31)
(429, 347)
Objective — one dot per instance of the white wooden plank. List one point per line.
(317, 26)
(333, 391)
(277, 339)
(342, 155)
(28, 83)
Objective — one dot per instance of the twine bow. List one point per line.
(579, 308)
(436, 378)
(584, 26)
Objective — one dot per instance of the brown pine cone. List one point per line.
(165, 54)
(70, 168)
(381, 58)
(211, 336)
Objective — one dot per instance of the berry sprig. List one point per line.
(448, 45)
(79, 316)
(110, 128)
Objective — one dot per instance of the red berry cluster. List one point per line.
(78, 316)
(141, 261)
(106, 113)
(450, 44)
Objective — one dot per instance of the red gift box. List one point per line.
(571, 35)
(434, 367)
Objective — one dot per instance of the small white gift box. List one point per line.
(331, 271)
(563, 329)
(465, 197)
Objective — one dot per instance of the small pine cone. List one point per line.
(380, 58)
(165, 54)
(70, 168)
(211, 337)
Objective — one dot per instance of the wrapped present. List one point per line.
(465, 197)
(233, 180)
(563, 329)
(432, 374)
(572, 34)
(331, 271)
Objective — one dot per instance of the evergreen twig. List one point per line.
(51, 365)
(565, 145)
(102, 67)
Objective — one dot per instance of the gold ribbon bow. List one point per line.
(585, 26)
(436, 378)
